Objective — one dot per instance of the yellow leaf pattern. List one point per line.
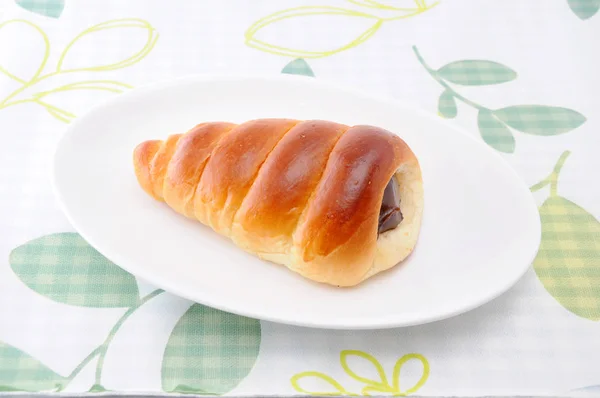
(21, 96)
(391, 13)
(375, 387)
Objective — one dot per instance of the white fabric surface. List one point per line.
(523, 343)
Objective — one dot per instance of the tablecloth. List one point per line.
(521, 76)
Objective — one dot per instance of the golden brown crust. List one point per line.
(142, 157)
(343, 216)
(158, 165)
(232, 168)
(187, 164)
(305, 194)
(273, 206)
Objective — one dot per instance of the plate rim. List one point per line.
(387, 322)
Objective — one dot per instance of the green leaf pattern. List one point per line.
(476, 73)
(65, 268)
(49, 8)
(208, 352)
(298, 67)
(568, 260)
(20, 371)
(223, 347)
(584, 9)
(540, 120)
(494, 132)
(447, 105)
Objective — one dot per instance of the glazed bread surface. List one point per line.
(304, 194)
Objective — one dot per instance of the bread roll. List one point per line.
(304, 194)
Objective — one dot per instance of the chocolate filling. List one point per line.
(389, 214)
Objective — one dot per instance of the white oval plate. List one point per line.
(480, 230)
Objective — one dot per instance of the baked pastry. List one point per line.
(334, 203)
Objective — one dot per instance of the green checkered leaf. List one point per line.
(584, 9)
(495, 133)
(65, 268)
(298, 67)
(209, 351)
(476, 73)
(447, 105)
(49, 8)
(540, 119)
(21, 372)
(568, 260)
